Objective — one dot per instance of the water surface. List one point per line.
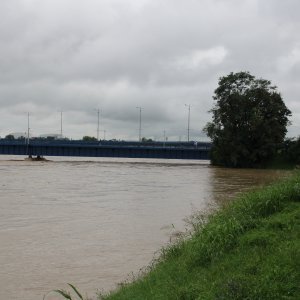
(93, 222)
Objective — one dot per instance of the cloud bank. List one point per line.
(77, 56)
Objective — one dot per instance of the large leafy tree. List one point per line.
(249, 121)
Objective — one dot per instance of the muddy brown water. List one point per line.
(93, 222)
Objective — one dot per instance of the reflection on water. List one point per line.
(93, 222)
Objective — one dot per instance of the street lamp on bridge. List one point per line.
(98, 122)
(140, 123)
(189, 115)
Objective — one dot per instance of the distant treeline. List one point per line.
(289, 152)
(117, 143)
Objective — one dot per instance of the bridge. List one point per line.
(163, 150)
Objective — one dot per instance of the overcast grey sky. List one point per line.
(79, 55)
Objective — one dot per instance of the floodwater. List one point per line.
(92, 222)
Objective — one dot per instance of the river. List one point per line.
(92, 222)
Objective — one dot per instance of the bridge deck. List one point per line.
(73, 148)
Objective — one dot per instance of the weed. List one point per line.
(66, 294)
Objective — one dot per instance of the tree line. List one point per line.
(249, 124)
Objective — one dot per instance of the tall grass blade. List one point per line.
(75, 290)
(66, 295)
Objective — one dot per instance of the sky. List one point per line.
(77, 56)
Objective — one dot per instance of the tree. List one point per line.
(290, 151)
(10, 137)
(89, 138)
(145, 140)
(249, 121)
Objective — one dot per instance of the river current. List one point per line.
(93, 222)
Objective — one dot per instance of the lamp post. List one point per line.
(140, 123)
(61, 123)
(189, 115)
(28, 128)
(98, 123)
(28, 134)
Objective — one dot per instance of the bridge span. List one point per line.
(168, 150)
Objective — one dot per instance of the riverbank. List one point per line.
(248, 250)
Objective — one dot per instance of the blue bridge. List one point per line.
(44, 147)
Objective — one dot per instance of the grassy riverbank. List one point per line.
(248, 250)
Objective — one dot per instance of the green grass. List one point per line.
(248, 250)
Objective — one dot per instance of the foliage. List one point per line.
(287, 155)
(10, 137)
(89, 138)
(247, 250)
(249, 121)
(145, 140)
(292, 150)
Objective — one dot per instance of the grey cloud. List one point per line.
(115, 54)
